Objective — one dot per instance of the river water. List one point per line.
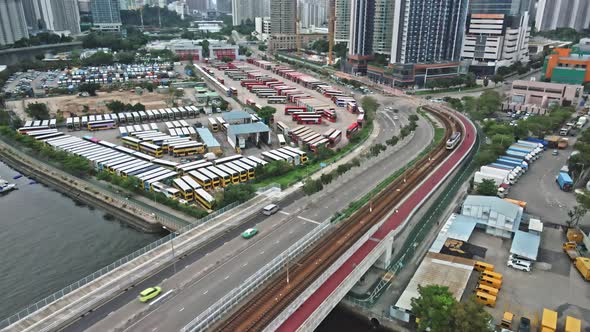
(48, 241)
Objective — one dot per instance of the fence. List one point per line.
(216, 311)
(84, 281)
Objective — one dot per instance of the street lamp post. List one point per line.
(174, 234)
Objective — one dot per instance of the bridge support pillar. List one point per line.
(385, 258)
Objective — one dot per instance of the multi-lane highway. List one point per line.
(240, 258)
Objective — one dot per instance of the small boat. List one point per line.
(18, 176)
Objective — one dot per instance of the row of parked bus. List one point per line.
(107, 121)
(153, 174)
(221, 172)
(291, 155)
(158, 144)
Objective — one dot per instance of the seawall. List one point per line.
(79, 191)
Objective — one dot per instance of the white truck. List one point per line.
(511, 176)
(581, 122)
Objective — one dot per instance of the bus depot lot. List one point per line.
(112, 136)
(344, 119)
(553, 282)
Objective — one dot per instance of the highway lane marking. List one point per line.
(308, 220)
(285, 213)
(161, 297)
(181, 309)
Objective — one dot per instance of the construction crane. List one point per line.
(331, 28)
(298, 34)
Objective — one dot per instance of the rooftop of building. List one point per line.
(248, 128)
(236, 115)
(438, 269)
(207, 138)
(526, 245)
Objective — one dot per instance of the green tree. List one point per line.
(433, 308)
(497, 78)
(262, 48)
(205, 45)
(116, 106)
(470, 316)
(485, 156)
(487, 188)
(312, 186)
(89, 87)
(235, 193)
(99, 59)
(266, 112)
(576, 214)
(37, 111)
(126, 57)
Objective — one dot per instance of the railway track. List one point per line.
(266, 304)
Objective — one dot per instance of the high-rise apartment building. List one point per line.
(106, 15)
(497, 35)
(13, 25)
(313, 12)
(283, 24)
(61, 16)
(382, 27)
(553, 14)
(224, 6)
(342, 22)
(506, 7)
(427, 31)
(197, 5)
(362, 13)
(243, 10)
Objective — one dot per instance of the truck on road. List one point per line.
(564, 181)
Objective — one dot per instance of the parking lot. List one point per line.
(538, 188)
(553, 283)
(344, 119)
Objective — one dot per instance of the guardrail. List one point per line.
(216, 311)
(84, 281)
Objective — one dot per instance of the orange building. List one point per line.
(566, 65)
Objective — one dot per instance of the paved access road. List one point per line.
(242, 258)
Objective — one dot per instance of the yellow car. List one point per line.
(149, 293)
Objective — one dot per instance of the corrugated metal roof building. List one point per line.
(501, 218)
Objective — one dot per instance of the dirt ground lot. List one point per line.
(554, 283)
(72, 105)
(344, 119)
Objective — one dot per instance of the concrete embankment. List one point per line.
(80, 190)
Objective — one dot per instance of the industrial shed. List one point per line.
(255, 132)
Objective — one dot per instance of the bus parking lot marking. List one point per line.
(308, 220)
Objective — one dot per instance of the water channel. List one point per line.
(49, 241)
